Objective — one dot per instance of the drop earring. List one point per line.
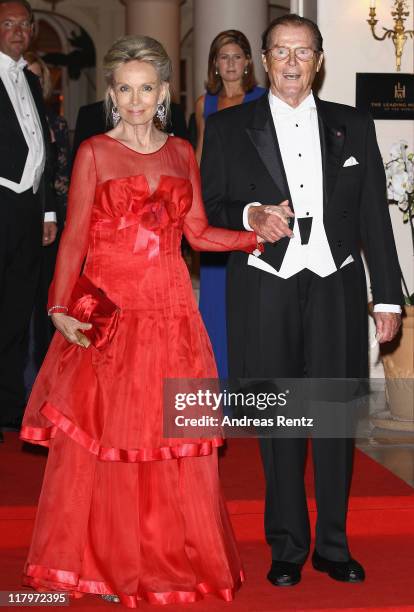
(161, 114)
(115, 115)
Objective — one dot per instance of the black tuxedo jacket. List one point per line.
(241, 163)
(91, 121)
(13, 147)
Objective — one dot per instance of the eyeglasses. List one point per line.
(304, 54)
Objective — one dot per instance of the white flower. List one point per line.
(395, 151)
(396, 165)
(400, 173)
(399, 184)
(410, 182)
(399, 150)
(404, 150)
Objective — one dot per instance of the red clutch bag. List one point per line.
(90, 304)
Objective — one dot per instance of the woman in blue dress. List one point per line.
(230, 81)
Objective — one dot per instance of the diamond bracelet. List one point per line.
(57, 308)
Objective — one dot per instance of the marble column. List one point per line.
(305, 8)
(159, 19)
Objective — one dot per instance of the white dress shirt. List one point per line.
(18, 90)
(298, 135)
(297, 131)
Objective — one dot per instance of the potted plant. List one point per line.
(398, 355)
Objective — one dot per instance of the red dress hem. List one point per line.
(43, 435)
(39, 577)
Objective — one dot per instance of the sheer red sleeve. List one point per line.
(201, 235)
(75, 237)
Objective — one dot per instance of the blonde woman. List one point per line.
(125, 512)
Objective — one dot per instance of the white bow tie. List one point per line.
(287, 111)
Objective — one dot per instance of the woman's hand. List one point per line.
(70, 328)
(271, 222)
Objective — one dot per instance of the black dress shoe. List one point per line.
(284, 573)
(345, 571)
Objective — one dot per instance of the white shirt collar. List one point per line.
(8, 63)
(279, 106)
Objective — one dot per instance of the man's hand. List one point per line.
(49, 232)
(270, 222)
(71, 328)
(387, 324)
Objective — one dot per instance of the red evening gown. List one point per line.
(122, 509)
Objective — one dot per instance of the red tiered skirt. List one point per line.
(123, 510)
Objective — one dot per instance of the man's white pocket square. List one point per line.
(351, 161)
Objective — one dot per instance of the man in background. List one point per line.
(27, 215)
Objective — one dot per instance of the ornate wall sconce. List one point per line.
(398, 34)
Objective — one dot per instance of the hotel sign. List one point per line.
(386, 96)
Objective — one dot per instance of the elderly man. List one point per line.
(307, 176)
(24, 195)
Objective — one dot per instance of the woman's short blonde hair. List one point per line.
(143, 49)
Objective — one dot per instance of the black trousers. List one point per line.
(302, 326)
(41, 329)
(20, 249)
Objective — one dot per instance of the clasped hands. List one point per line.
(71, 328)
(270, 222)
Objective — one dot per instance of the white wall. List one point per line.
(350, 48)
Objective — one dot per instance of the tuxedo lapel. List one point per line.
(9, 117)
(262, 134)
(332, 138)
